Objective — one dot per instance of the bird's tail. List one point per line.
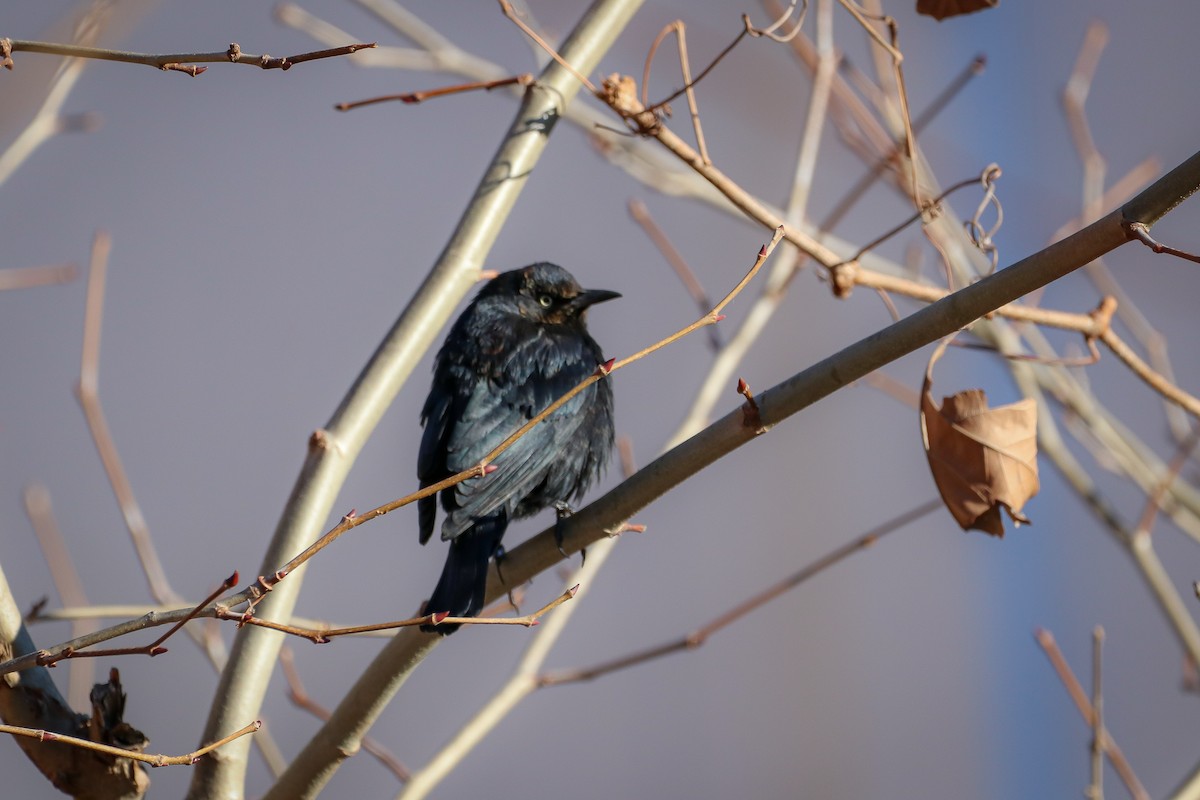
(461, 588)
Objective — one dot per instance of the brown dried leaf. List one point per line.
(981, 458)
(940, 9)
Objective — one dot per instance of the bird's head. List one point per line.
(546, 293)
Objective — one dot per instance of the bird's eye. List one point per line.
(545, 300)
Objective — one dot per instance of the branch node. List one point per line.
(234, 52)
(1102, 317)
(6, 53)
(1141, 232)
(322, 439)
(751, 416)
(844, 276)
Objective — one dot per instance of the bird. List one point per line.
(520, 345)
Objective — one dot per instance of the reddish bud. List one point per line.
(489, 469)
(718, 317)
(743, 387)
(231, 580)
(762, 251)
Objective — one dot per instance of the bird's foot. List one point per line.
(498, 555)
(562, 510)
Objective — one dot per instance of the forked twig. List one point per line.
(326, 635)
(509, 12)
(680, 30)
(1116, 757)
(47, 658)
(892, 47)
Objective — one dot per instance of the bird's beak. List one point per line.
(589, 297)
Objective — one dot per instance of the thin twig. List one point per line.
(88, 393)
(700, 635)
(325, 635)
(1142, 233)
(66, 581)
(509, 12)
(153, 760)
(1095, 791)
(641, 215)
(871, 245)
(301, 699)
(47, 658)
(410, 98)
(176, 62)
(127, 611)
(892, 48)
(1116, 756)
(29, 277)
(784, 16)
(688, 83)
(814, 121)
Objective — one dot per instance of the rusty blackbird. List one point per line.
(520, 345)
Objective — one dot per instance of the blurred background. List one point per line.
(263, 243)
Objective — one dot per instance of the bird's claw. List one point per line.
(498, 555)
(562, 510)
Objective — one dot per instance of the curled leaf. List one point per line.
(981, 458)
(940, 9)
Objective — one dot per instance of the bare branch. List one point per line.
(176, 62)
(29, 277)
(1116, 757)
(153, 760)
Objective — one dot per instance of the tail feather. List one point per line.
(461, 588)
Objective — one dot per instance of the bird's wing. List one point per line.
(436, 416)
(495, 410)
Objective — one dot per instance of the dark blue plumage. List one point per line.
(520, 345)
